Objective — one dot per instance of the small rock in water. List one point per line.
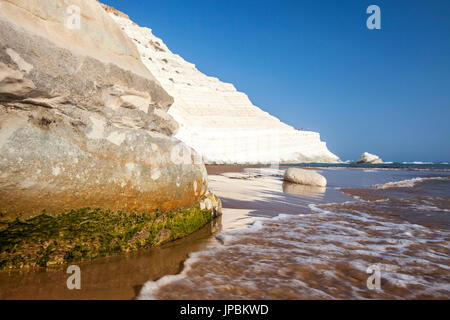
(369, 158)
(306, 177)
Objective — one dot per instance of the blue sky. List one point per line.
(314, 64)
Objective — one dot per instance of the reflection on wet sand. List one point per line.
(117, 277)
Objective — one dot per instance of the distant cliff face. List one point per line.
(82, 120)
(214, 118)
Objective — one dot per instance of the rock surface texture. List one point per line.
(369, 158)
(214, 118)
(305, 177)
(211, 202)
(82, 120)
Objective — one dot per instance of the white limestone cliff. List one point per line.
(214, 118)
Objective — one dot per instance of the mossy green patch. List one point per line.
(89, 233)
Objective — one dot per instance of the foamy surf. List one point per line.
(151, 287)
(409, 183)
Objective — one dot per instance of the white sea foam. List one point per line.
(417, 162)
(407, 183)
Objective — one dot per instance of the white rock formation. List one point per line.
(369, 158)
(215, 119)
(305, 177)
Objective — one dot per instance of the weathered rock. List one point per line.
(305, 177)
(369, 158)
(82, 120)
(215, 119)
(213, 203)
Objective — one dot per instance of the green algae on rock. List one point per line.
(88, 233)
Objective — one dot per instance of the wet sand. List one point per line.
(320, 246)
(117, 277)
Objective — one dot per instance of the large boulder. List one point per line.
(305, 177)
(215, 119)
(369, 158)
(211, 202)
(82, 120)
